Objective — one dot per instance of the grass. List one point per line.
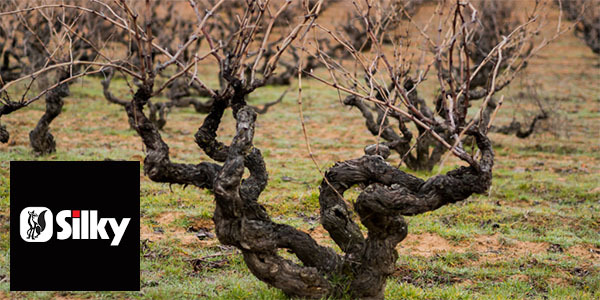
(536, 235)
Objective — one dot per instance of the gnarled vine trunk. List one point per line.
(40, 138)
(4, 135)
(240, 221)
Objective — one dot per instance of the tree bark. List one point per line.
(4, 135)
(40, 138)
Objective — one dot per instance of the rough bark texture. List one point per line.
(40, 138)
(4, 135)
(389, 195)
(157, 164)
(240, 221)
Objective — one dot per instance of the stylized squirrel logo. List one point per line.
(37, 224)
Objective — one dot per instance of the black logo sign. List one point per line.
(77, 224)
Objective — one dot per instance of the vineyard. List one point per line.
(323, 149)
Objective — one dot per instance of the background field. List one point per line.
(535, 235)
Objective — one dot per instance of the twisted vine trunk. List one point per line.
(40, 138)
(240, 221)
(4, 135)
